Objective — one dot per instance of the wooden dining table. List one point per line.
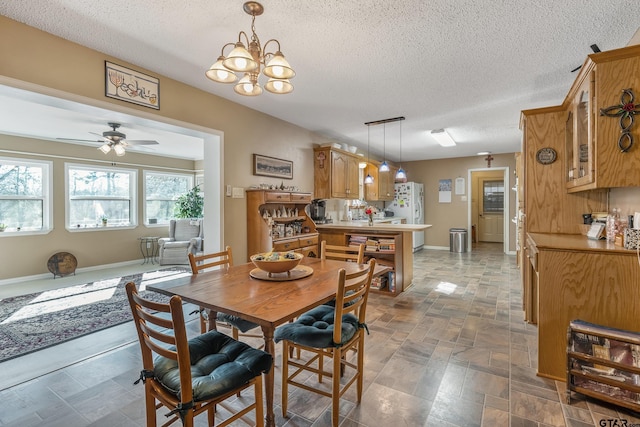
(268, 303)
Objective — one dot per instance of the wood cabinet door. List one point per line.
(339, 174)
(352, 177)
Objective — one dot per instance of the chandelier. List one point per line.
(252, 61)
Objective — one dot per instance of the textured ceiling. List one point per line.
(467, 66)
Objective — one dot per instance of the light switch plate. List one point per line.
(228, 190)
(238, 193)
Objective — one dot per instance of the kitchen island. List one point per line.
(390, 244)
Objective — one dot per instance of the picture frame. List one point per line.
(271, 166)
(128, 85)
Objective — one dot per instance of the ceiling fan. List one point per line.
(114, 140)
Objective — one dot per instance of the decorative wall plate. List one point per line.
(546, 156)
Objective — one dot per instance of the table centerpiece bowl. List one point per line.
(277, 262)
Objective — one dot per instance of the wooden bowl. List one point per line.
(281, 265)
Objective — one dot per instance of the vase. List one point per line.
(370, 221)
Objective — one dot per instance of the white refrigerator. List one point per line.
(408, 203)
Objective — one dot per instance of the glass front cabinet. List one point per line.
(579, 133)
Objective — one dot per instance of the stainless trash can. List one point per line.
(457, 240)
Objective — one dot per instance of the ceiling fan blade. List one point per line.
(82, 140)
(141, 142)
(100, 136)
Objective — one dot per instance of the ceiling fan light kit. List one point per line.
(250, 59)
(114, 140)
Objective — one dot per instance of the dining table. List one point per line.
(249, 293)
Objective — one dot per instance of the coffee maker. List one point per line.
(317, 211)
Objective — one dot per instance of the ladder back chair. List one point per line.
(222, 259)
(342, 253)
(190, 377)
(329, 332)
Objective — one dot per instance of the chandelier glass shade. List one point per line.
(252, 61)
(384, 166)
(368, 179)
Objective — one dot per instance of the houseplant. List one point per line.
(2, 226)
(104, 219)
(190, 204)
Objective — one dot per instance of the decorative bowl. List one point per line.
(276, 262)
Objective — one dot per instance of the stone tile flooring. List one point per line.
(453, 350)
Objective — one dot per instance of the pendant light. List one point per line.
(384, 166)
(368, 179)
(401, 175)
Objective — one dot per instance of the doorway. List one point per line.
(488, 207)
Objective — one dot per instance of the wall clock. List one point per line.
(546, 155)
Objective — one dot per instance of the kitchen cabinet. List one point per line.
(579, 133)
(530, 283)
(335, 174)
(594, 159)
(579, 278)
(383, 185)
(276, 220)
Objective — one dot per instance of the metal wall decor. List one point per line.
(626, 110)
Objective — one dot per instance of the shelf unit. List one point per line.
(398, 263)
(603, 363)
(267, 231)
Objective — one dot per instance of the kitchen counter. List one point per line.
(576, 242)
(363, 226)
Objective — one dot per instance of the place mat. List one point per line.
(299, 272)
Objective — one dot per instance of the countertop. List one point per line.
(379, 226)
(576, 242)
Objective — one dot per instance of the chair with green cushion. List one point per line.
(327, 331)
(190, 377)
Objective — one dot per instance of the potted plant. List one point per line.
(104, 220)
(190, 204)
(2, 226)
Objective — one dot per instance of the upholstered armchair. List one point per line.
(185, 237)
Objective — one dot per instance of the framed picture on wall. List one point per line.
(133, 86)
(270, 166)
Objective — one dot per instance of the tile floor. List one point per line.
(452, 350)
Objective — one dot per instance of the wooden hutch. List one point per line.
(277, 220)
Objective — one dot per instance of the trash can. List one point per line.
(457, 240)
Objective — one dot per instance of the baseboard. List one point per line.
(437, 248)
(14, 280)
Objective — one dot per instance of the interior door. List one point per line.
(491, 210)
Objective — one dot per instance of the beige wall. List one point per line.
(24, 50)
(444, 216)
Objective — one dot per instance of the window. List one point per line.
(161, 191)
(97, 193)
(25, 195)
(493, 196)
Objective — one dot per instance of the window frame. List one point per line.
(46, 197)
(147, 172)
(133, 197)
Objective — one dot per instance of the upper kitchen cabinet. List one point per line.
(598, 155)
(335, 174)
(383, 183)
(579, 135)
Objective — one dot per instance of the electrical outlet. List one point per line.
(228, 190)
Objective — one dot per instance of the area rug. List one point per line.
(32, 322)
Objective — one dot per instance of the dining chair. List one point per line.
(329, 332)
(342, 253)
(190, 377)
(222, 259)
